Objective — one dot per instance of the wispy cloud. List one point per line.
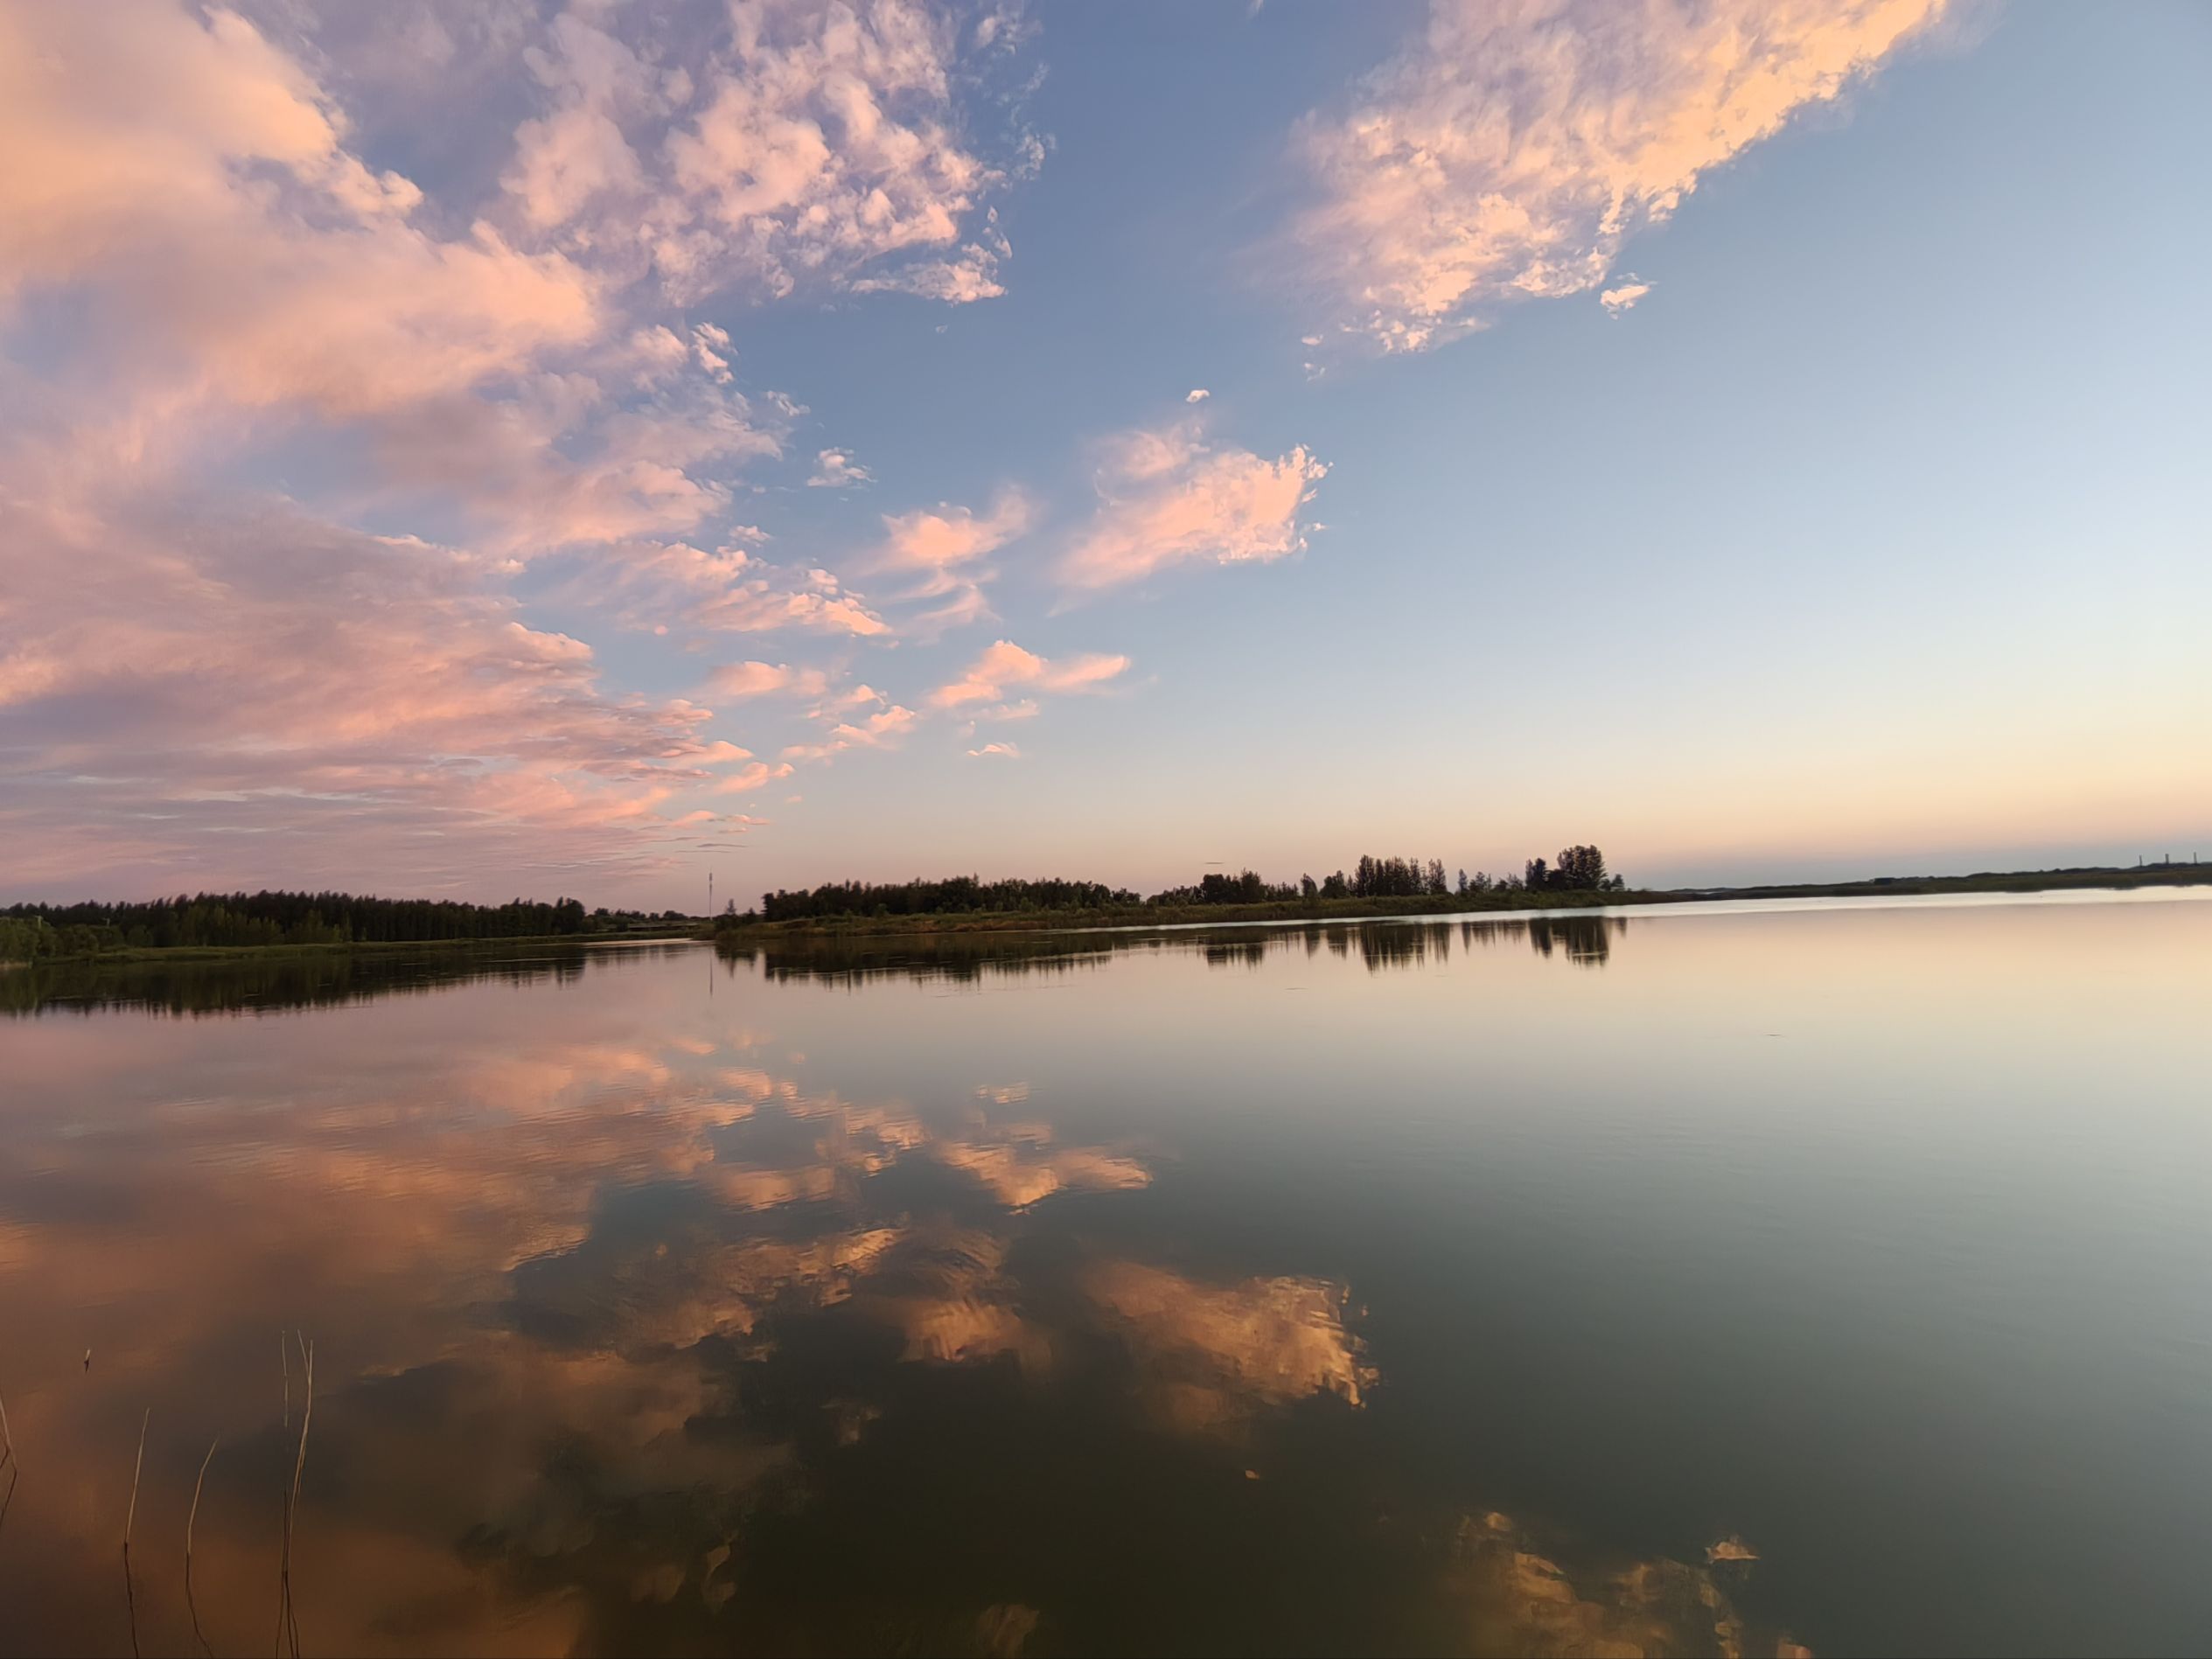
(1514, 145)
(834, 470)
(939, 553)
(675, 585)
(1623, 298)
(745, 679)
(392, 718)
(759, 774)
(881, 729)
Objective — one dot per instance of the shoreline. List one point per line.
(1493, 902)
(1508, 901)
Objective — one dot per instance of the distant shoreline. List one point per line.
(1496, 899)
(1345, 909)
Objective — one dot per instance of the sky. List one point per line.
(549, 448)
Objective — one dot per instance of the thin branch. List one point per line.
(130, 1599)
(288, 1612)
(7, 1439)
(191, 1517)
(132, 1516)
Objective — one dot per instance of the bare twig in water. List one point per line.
(288, 1613)
(9, 1461)
(130, 1516)
(191, 1605)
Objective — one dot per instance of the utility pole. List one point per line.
(710, 894)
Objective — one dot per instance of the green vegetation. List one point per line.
(1382, 886)
(225, 923)
(1581, 869)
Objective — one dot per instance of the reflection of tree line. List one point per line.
(1584, 939)
(203, 987)
(965, 958)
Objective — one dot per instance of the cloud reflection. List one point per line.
(637, 1335)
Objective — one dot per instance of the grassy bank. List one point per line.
(126, 954)
(1455, 904)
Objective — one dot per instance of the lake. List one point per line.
(1707, 1279)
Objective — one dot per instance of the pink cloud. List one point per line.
(1001, 751)
(756, 775)
(236, 689)
(834, 470)
(254, 696)
(1512, 148)
(941, 554)
(880, 730)
(1006, 666)
(824, 145)
(727, 591)
(936, 542)
(766, 679)
(1166, 497)
(194, 180)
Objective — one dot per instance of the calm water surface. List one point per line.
(1491, 1286)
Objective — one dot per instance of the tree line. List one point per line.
(951, 895)
(29, 932)
(1578, 869)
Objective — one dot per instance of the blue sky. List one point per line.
(1868, 534)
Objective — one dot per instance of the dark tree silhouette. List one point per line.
(227, 919)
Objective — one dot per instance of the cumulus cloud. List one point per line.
(190, 186)
(1196, 394)
(834, 470)
(1006, 666)
(825, 141)
(218, 269)
(1001, 751)
(796, 145)
(1623, 298)
(194, 181)
(1167, 497)
(1514, 145)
